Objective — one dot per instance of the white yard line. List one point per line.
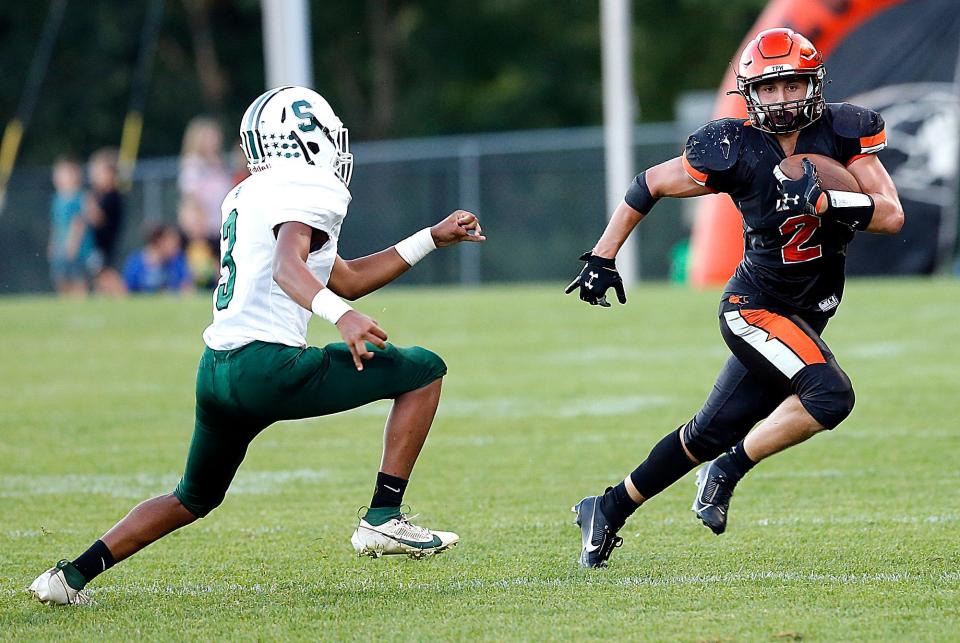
(862, 519)
(138, 485)
(878, 350)
(564, 582)
(524, 407)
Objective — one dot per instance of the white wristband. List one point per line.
(416, 246)
(329, 306)
(840, 199)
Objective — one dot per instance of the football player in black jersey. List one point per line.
(777, 303)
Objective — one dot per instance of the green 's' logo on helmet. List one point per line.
(308, 125)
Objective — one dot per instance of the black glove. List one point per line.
(598, 275)
(800, 195)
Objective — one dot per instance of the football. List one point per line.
(833, 176)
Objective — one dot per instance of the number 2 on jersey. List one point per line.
(802, 228)
(225, 289)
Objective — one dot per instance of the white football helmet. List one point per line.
(295, 127)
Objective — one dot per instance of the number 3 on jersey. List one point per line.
(802, 228)
(225, 289)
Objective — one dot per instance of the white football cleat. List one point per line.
(51, 587)
(400, 536)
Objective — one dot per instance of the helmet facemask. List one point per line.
(343, 159)
(341, 162)
(786, 116)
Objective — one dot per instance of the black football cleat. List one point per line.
(598, 535)
(714, 489)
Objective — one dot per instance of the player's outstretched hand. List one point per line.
(799, 195)
(357, 329)
(458, 226)
(596, 277)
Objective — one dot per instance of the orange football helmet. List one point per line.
(779, 54)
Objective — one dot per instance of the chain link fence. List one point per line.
(539, 195)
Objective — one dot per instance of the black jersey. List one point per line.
(792, 260)
(106, 234)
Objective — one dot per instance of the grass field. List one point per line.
(852, 536)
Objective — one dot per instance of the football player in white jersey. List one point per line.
(280, 265)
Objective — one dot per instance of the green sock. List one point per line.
(74, 578)
(378, 515)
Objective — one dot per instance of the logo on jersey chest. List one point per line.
(788, 202)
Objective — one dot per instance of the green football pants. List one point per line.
(241, 392)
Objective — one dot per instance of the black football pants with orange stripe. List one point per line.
(775, 354)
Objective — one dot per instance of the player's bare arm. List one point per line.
(872, 206)
(355, 278)
(669, 179)
(291, 273)
(290, 269)
(665, 180)
(875, 181)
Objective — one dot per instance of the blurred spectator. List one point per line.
(71, 249)
(203, 262)
(104, 213)
(203, 174)
(160, 265)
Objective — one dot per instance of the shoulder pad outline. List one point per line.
(853, 121)
(716, 146)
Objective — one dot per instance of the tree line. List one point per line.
(391, 68)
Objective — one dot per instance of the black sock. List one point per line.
(617, 505)
(735, 462)
(94, 561)
(666, 464)
(389, 491)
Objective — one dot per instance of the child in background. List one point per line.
(71, 249)
(104, 213)
(160, 265)
(203, 260)
(203, 174)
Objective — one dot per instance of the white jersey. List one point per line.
(247, 304)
